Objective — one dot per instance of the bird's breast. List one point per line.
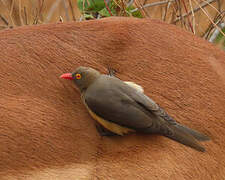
(115, 128)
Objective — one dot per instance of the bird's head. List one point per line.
(83, 77)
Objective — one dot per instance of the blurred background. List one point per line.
(204, 18)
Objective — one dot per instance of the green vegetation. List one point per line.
(220, 36)
(220, 39)
(90, 8)
(90, 5)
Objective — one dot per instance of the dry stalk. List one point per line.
(189, 22)
(215, 25)
(20, 16)
(52, 10)
(72, 11)
(65, 5)
(10, 13)
(4, 20)
(151, 5)
(193, 16)
(202, 5)
(25, 15)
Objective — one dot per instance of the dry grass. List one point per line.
(29, 12)
(200, 17)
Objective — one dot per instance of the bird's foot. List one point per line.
(111, 71)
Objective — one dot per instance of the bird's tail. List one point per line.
(197, 135)
(186, 136)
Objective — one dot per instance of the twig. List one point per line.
(210, 19)
(81, 18)
(11, 7)
(65, 5)
(71, 8)
(38, 12)
(130, 3)
(41, 4)
(180, 12)
(3, 27)
(117, 5)
(144, 2)
(202, 5)
(193, 16)
(60, 19)
(108, 9)
(166, 10)
(174, 12)
(89, 2)
(51, 10)
(10, 13)
(219, 5)
(84, 5)
(151, 4)
(25, 15)
(20, 16)
(36, 17)
(145, 13)
(216, 33)
(189, 22)
(123, 9)
(212, 6)
(218, 20)
(4, 20)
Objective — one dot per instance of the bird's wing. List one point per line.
(151, 106)
(117, 102)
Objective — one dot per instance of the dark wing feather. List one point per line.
(151, 106)
(113, 100)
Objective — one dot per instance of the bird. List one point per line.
(119, 108)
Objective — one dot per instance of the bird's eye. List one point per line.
(78, 76)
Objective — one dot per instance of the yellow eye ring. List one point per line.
(78, 76)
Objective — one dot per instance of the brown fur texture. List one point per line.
(46, 132)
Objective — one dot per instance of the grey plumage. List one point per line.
(130, 108)
(117, 102)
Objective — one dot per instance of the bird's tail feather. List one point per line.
(197, 135)
(182, 135)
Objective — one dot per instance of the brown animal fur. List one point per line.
(46, 132)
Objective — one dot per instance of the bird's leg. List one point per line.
(111, 71)
(103, 131)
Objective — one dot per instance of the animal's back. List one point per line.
(46, 132)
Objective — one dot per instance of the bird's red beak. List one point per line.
(67, 76)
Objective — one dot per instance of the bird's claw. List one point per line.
(111, 71)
